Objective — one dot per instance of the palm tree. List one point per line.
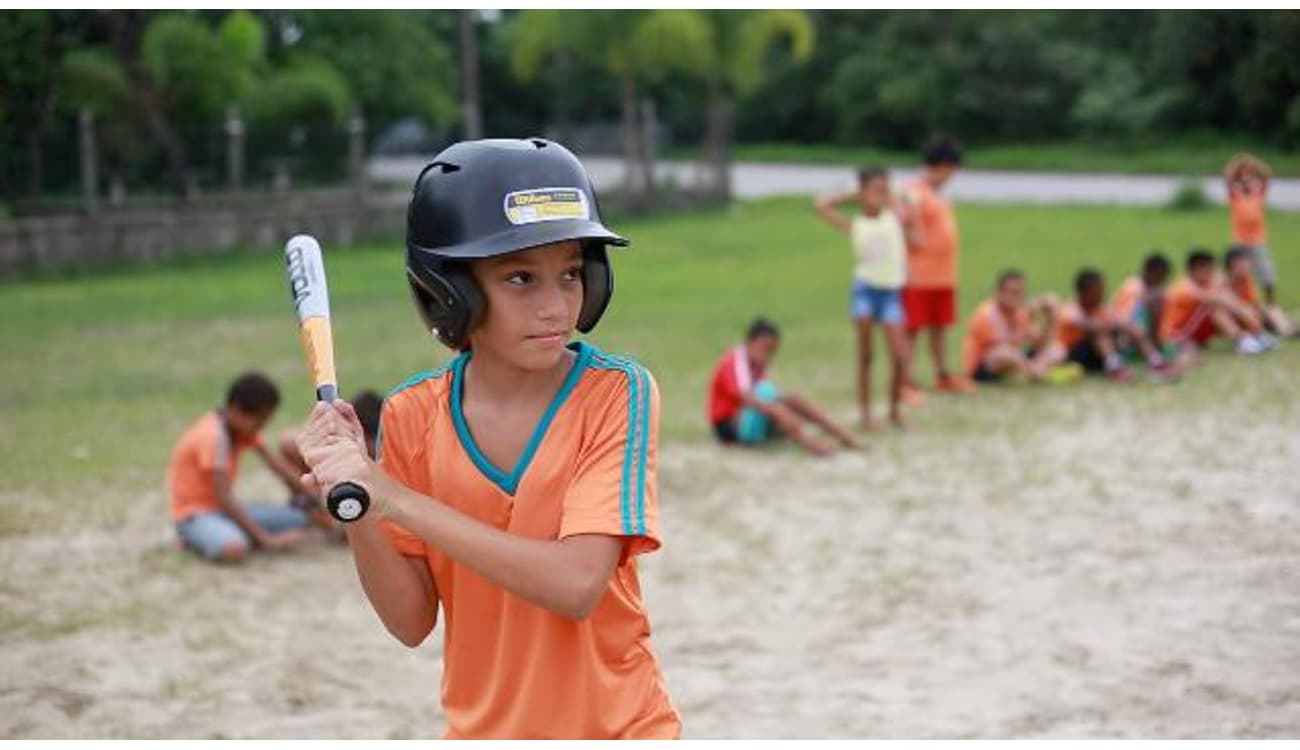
(739, 43)
(629, 45)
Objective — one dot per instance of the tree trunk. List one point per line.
(646, 150)
(717, 142)
(35, 164)
(469, 75)
(125, 30)
(632, 180)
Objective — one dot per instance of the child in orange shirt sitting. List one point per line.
(1004, 341)
(201, 478)
(1197, 308)
(1240, 281)
(1093, 335)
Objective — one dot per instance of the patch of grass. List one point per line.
(1201, 154)
(103, 373)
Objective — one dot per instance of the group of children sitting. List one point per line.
(1009, 337)
(209, 519)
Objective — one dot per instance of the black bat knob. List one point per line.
(347, 501)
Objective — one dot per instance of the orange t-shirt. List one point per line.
(1244, 288)
(1070, 322)
(1247, 213)
(206, 446)
(1127, 300)
(989, 328)
(932, 264)
(1183, 310)
(514, 669)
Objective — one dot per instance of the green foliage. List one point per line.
(192, 66)
(1189, 196)
(93, 77)
(394, 64)
(306, 90)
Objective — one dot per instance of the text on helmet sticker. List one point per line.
(546, 204)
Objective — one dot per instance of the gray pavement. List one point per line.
(761, 180)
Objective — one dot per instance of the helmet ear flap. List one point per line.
(597, 285)
(448, 300)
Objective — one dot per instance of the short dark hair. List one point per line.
(367, 405)
(1199, 256)
(1009, 274)
(1233, 254)
(762, 327)
(1155, 262)
(253, 393)
(867, 174)
(1085, 278)
(941, 151)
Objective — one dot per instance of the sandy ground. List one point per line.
(1129, 573)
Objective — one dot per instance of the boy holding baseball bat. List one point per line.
(515, 485)
(201, 478)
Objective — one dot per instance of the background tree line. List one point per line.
(161, 85)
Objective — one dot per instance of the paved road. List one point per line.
(761, 180)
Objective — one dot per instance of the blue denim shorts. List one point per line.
(867, 302)
(210, 533)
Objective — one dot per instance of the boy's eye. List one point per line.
(519, 278)
(573, 274)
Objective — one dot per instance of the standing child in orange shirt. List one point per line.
(1247, 183)
(515, 486)
(201, 478)
(879, 251)
(930, 297)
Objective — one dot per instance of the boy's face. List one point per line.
(1155, 277)
(874, 194)
(1091, 295)
(1239, 267)
(533, 300)
(1011, 293)
(941, 173)
(762, 349)
(246, 424)
(1202, 274)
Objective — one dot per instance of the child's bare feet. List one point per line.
(819, 447)
(870, 425)
(897, 421)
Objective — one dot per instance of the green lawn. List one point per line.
(102, 373)
(1181, 155)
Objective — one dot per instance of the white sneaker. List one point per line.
(1249, 345)
(1268, 341)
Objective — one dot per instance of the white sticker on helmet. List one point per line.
(546, 204)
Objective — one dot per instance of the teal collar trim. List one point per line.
(510, 482)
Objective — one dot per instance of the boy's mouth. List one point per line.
(549, 337)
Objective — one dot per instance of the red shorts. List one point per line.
(1199, 328)
(929, 307)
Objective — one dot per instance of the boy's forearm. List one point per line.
(406, 602)
(555, 575)
(233, 508)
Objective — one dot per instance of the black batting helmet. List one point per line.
(479, 199)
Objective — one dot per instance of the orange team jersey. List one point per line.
(207, 445)
(1070, 328)
(1247, 213)
(932, 264)
(1244, 289)
(513, 669)
(989, 328)
(1127, 300)
(1183, 310)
